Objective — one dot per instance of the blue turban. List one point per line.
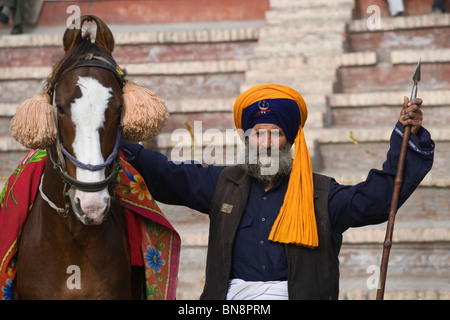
(283, 113)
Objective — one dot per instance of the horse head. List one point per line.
(88, 104)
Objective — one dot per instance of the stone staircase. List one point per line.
(347, 74)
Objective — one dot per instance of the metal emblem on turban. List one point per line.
(263, 106)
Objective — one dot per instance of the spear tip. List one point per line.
(416, 76)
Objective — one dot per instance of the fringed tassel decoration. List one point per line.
(33, 125)
(143, 115)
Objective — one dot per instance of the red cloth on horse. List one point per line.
(153, 241)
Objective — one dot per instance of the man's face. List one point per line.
(267, 135)
(268, 153)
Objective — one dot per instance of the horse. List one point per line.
(74, 243)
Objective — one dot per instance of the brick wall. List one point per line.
(156, 11)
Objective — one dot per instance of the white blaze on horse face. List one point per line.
(88, 115)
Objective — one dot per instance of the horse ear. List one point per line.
(104, 36)
(73, 35)
(143, 114)
(33, 125)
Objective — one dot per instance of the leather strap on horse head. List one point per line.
(99, 62)
(60, 164)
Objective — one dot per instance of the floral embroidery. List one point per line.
(160, 243)
(154, 260)
(8, 291)
(138, 187)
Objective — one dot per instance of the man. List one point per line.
(16, 6)
(277, 235)
(396, 7)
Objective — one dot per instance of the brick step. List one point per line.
(416, 270)
(312, 64)
(297, 49)
(136, 54)
(359, 109)
(402, 33)
(308, 15)
(303, 85)
(422, 21)
(181, 33)
(427, 56)
(400, 288)
(278, 35)
(387, 98)
(434, 115)
(426, 261)
(276, 32)
(386, 77)
(300, 4)
(53, 13)
(157, 44)
(412, 7)
(305, 72)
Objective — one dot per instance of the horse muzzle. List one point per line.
(91, 208)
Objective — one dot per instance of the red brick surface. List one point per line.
(412, 7)
(386, 77)
(134, 54)
(431, 38)
(156, 11)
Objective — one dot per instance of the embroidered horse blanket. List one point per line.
(154, 243)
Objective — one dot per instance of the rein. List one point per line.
(60, 165)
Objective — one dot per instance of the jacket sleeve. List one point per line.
(186, 184)
(369, 201)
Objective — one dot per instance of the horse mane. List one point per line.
(81, 51)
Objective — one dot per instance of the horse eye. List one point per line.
(61, 109)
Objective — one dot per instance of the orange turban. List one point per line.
(296, 221)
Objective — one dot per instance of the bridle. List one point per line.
(114, 158)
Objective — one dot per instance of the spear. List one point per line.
(394, 202)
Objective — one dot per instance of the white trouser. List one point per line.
(239, 289)
(395, 6)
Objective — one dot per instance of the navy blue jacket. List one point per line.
(254, 257)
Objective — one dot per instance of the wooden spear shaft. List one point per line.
(395, 195)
